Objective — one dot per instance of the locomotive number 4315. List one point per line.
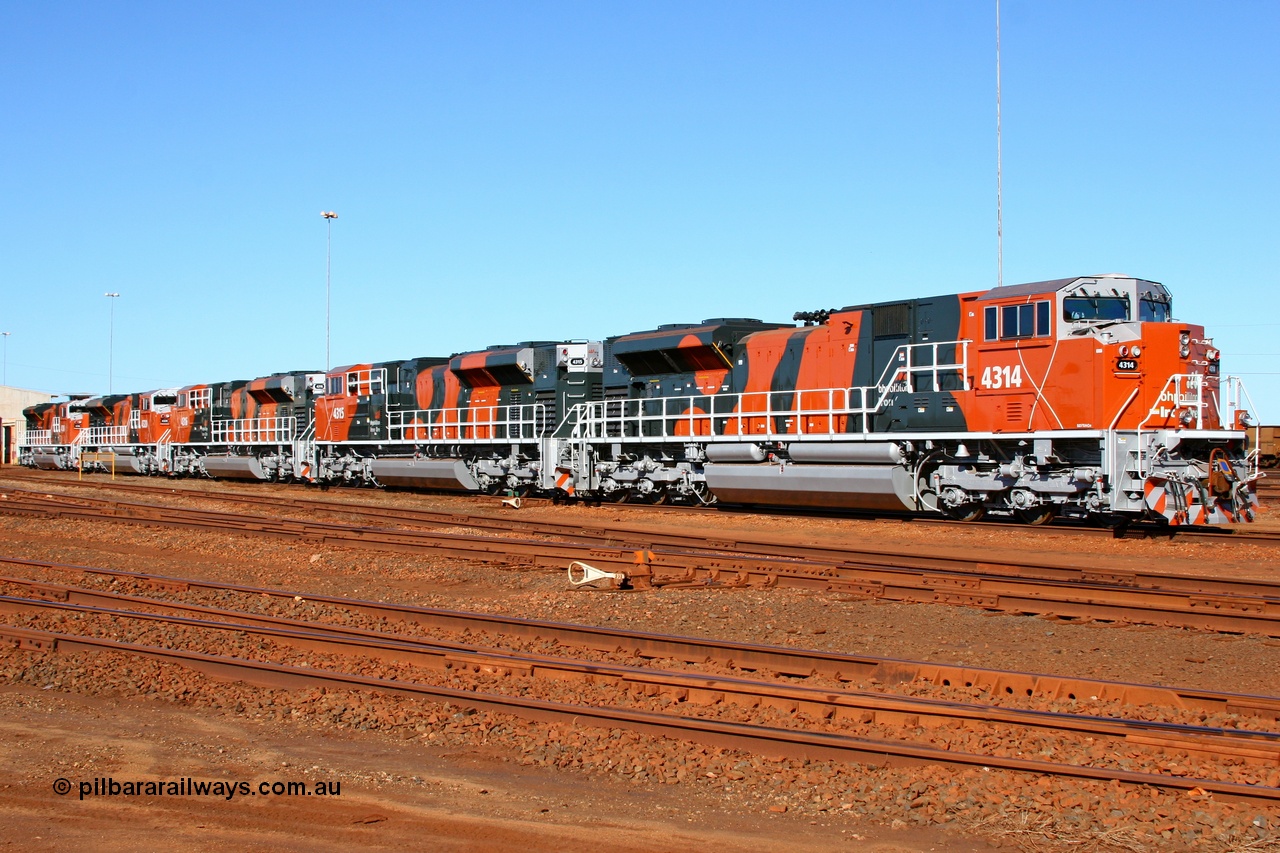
(1007, 376)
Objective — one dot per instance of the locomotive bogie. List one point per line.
(47, 458)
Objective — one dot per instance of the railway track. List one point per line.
(788, 662)
(1059, 528)
(806, 709)
(663, 559)
(639, 537)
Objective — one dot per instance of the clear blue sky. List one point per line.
(507, 171)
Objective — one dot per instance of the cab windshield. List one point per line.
(1154, 310)
(1095, 308)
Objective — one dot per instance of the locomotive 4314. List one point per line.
(1077, 397)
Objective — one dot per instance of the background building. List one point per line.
(13, 427)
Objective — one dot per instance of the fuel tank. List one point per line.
(234, 467)
(873, 487)
(451, 474)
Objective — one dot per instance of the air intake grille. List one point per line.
(891, 320)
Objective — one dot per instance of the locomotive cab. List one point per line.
(1101, 381)
(49, 433)
(191, 406)
(149, 416)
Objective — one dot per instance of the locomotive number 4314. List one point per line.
(1002, 377)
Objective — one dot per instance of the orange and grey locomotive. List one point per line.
(1078, 397)
(248, 430)
(51, 435)
(478, 421)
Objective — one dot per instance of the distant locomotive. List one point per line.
(1077, 397)
(1264, 442)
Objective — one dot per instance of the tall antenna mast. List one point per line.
(999, 174)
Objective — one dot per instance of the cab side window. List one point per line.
(1010, 322)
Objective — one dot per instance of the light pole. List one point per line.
(329, 216)
(999, 168)
(111, 340)
(5, 381)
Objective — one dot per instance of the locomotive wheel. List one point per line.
(702, 495)
(618, 496)
(927, 498)
(1035, 515)
(658, 497)
(968, 512)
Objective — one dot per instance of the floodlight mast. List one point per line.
(329, 216)
(999, 175)
(111, 341)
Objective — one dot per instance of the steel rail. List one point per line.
(996, 587)
(639, 538)
(1133, 530)
(797, 663)
(751, 737)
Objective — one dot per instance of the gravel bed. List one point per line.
(954, 735)
(1034, 813)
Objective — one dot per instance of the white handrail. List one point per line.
(515, 422)
(94, 436)
(254, 430)
(767, 415)
(38, 438)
